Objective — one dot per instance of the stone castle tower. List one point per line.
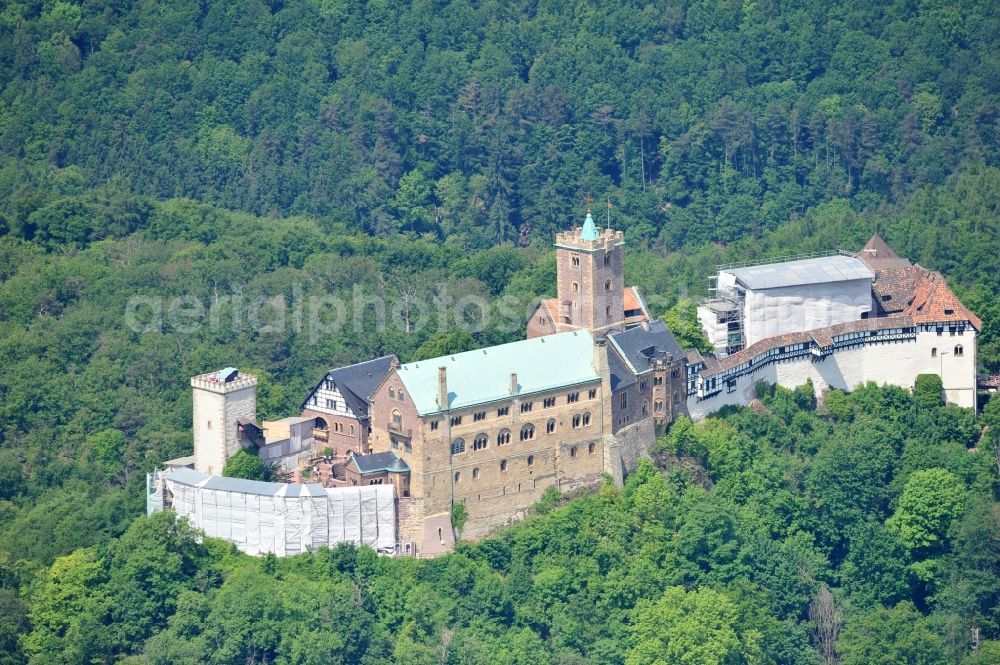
(590, 275)
(221, 401)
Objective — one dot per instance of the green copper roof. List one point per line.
(589, 229)
(478, 377)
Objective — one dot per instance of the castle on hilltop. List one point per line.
(382, 453)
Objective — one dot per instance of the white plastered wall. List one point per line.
(896, 364)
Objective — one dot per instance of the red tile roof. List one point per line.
(632, 300)
(933, 302)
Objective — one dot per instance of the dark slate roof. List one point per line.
(375, 462)
(621, 376)
(639, 346)
(252, 432)
(357, 382)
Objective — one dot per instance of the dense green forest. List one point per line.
(703, 120)
(207, 154)
(861, 533)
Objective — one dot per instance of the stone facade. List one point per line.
(343, 433)
(496, 458)
(590, 281)
(218, 407)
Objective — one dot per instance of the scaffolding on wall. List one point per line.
(283, 519)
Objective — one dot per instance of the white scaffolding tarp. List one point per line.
(285, 519)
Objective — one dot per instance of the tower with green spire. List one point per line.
(589, 231)
(590, 277)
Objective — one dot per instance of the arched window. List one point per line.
(392, 392)
(607, 311)
(607, 259)
(658, 405)
(352, 430)
(572, 451)
(575, 261)
(934, 352)
(475, 473)
(607, 286)
(458, 476)
(586, 419)
(576, 287)
(503, 438)
(959, 350)
(457, 446)
(591, 447)
(397, 418)
(440, 535)
(527, 432)
(576, 421)
(645, 408)
(503, 465)
(531, 460)
(480, 442)
(550, 426)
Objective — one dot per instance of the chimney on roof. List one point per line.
(513, 383)
(442, 388)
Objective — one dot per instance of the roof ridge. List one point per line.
(486, 349)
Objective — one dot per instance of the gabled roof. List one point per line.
(481, 376)
(894, 286)
(877, 248)
(377, 462)
(357, 383)
(639, 346)
(819, 270)
(633, 301)
(933, 302)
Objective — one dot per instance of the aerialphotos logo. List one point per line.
(320, 315)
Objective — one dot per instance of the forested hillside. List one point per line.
(212, 154)
(701, 120)
(863, 534)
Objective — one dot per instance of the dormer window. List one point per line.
(949, 312)
(886, 298)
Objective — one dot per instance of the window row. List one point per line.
(339, 427)
(527, 433)
(958, 352)
(526, 407)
